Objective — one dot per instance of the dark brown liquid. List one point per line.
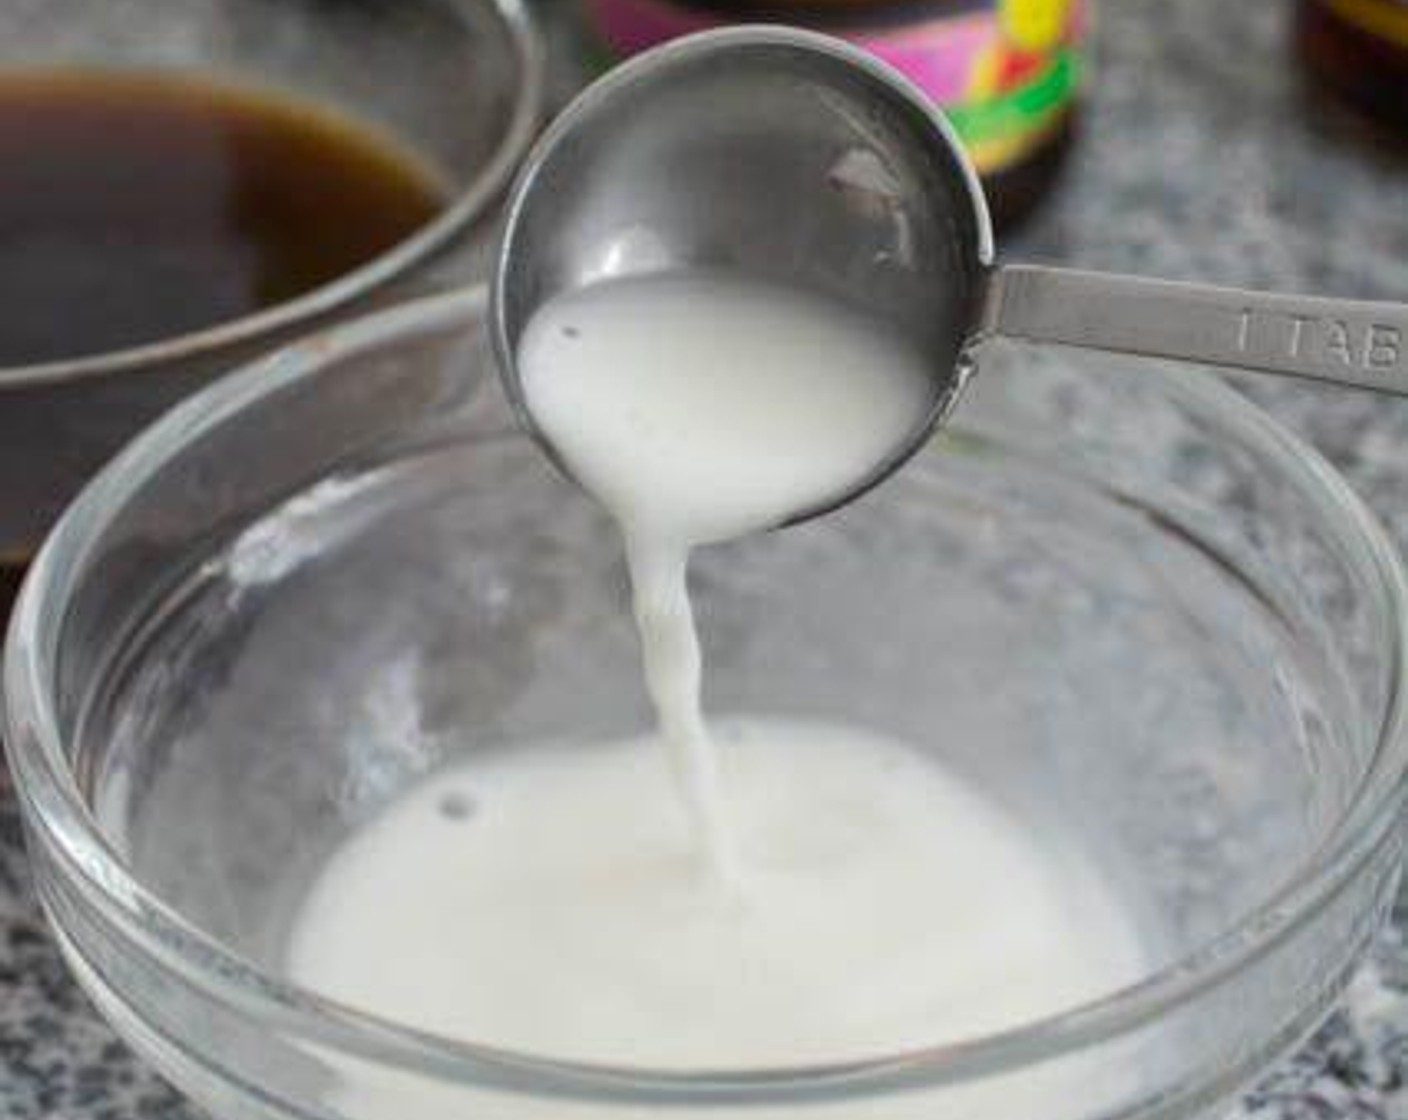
(135, 207)
(12, 571)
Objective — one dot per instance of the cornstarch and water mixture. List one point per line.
(755, 890)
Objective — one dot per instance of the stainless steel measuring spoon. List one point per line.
(788, 156)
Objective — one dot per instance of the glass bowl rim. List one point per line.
(62, 822)
(468, 204)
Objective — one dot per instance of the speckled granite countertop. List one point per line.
(1240, 183)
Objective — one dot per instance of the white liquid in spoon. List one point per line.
(698, 408)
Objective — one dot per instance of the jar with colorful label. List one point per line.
(1007, 72)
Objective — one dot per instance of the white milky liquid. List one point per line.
(699, 408)
(862, 900)
(887, 905)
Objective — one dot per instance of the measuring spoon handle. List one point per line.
(1348, 342)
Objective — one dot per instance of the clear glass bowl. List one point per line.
(1119, 598)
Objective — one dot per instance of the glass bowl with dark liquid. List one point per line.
(189, 182)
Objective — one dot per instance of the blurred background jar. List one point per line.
(1007, 72)
(1358, 49)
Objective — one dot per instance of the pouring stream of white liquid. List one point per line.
(698, 408)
